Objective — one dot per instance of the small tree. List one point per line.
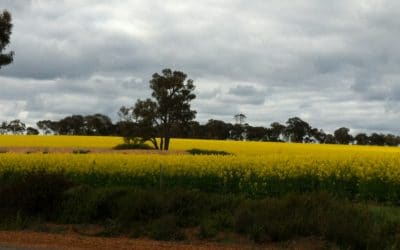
(169, 107)
(16, 127)
(240, 118)
(3, 128)
(275, 132)
(377, 139)
(32, 131)
(48, 127)
(297, 129)
(5, 32)
(362, 139)
(342, 135)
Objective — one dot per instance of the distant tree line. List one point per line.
(17, 127)
(294, 130)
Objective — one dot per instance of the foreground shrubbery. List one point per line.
(165, 214)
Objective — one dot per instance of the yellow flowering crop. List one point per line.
(256, 168)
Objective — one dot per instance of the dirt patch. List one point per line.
(71, 240)
(47, 150)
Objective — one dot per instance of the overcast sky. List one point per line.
(331, 63)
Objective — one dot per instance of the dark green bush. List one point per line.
(133, 146)
(208, 228)
(164, 214)
(83, 204)
(312, 215)
(188, 206)
(140, 206)
(196, 151)
(80, 151)
(37, 193)
(166, 228)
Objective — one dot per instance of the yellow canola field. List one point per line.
(384, 166)
(59, 141)
(235, 147)
(255, 167)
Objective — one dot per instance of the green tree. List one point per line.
(16, 127)
(391, 140)
(217, 129)
(32, 131)
(342, 135)
(240, 118)
(168, 108)
(377, 139)
(276, 131)
(5, 33)
(98, 124)
(297, 129)
(362, 139)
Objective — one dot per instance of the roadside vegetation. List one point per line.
(167, 214)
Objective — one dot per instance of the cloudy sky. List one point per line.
(332, 63)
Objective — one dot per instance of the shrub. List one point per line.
(188, 206)
(81, 151)
(208, 228)
(320, 215)
(83, 204)
(196, 151)
(35, 193)
(124, 146)
(140, 206)
(165, 228)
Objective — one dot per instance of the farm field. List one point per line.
(253, 168)
(260, 192)
(236, 147)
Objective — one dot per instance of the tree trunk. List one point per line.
(167, 139)
(154, 141)
(161, 143)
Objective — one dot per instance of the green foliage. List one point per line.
(187, 206)
(169, 107)
(165, 228)
(37, 193)
(164, 215)
(83, 204)
(208, 228)
(347, 224)
(125, 146)
(140, 206)
(5, 33)
(196, 151)
(296, 129)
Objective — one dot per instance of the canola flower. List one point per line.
(255, 168)
(59, 141)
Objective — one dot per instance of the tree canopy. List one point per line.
(168, 108)
(297, 129)
(5, 33)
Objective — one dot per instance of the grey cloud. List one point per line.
(243, 90)
(333, 63)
